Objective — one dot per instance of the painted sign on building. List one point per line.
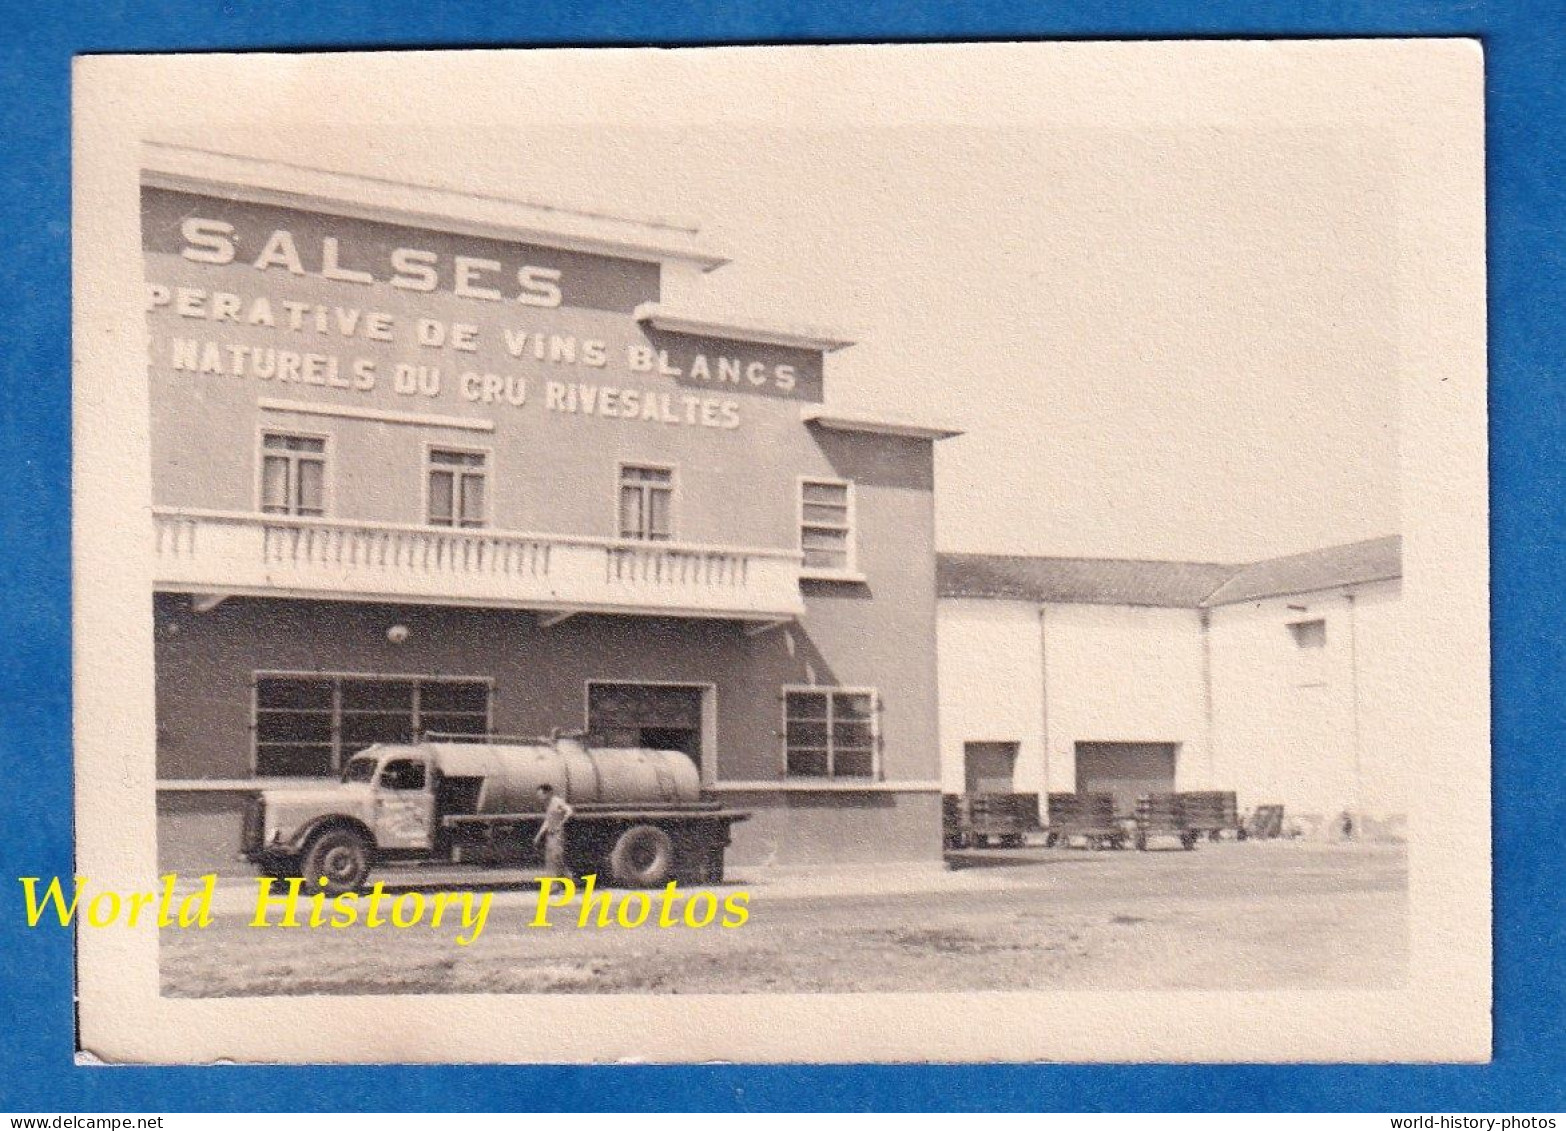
(347, 310)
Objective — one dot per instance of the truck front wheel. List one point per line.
(279, 868)
(341, 857)
(643, 856)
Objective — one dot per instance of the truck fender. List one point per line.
(330, 821)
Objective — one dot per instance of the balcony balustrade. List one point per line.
(223, 554)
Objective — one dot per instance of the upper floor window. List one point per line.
(456, 488)
(826, 524)
(829, 732)
(293, 474)
(1310, 652)
(646, 503)
(1309, 633)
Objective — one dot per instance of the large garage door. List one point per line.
(661, 716)
(1127, 770)
(989, 767)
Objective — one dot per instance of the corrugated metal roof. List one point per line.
(1378, 559)
(1170, 585)
(1079, 581)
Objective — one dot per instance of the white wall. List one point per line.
(1283, 723)
(991, 685)
(1287, 727)
(1114, 674)
(1384, 722)
(1120, 674)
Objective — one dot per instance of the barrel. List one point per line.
(511, 774)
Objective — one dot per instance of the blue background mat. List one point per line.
(1526, 90)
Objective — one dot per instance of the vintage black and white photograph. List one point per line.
(788, 528)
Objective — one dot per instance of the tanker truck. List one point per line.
(641, 816)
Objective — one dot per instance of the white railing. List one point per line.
(226, 553)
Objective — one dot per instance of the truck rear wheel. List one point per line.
(341, 857)
(643, 856)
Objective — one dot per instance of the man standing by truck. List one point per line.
(552, 831)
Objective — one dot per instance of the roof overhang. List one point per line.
(794, 337)
(852, 422)
(1348, 585)
(288, 185)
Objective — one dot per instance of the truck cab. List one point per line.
(383, 804)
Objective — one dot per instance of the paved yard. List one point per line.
(1226, 916)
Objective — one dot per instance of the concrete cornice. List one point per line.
(854, 422)
(660, 317)
(289, 185)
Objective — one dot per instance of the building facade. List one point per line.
(430, 463)
(1277, 680)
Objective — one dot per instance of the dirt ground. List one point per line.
(1226, 916)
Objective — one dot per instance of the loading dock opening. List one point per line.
(661, 716)
(989, 767)
(1126, 770)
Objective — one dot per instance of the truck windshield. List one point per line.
(359, 769)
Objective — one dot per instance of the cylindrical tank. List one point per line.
(609, 776)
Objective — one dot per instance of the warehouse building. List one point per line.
(426, 462)
(1277, 679)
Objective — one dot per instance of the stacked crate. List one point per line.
(1090, 816)
(1266, 823)
(1159, 813)
(1163, 815)
(1081, 811)
(952, 820)
(979, 818)
(1005, 816)
(1209, 811)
